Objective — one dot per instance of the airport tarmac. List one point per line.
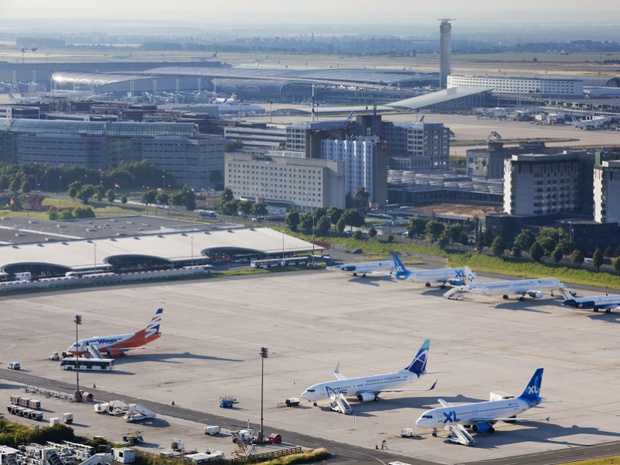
(213, 331)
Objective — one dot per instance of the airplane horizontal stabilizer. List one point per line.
(444, 403)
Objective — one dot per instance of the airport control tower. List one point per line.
(445, 50)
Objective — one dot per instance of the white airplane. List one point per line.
(24, 100)
(230, 99)
(596, 303)
(113, 346)
(367, 388)
(596, 122)
(123, 57)
(481, 416)
(364, 268)
(454, 276)
(522, 287)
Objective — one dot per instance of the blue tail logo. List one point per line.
(400, 271)
(531, 393)
(418, 365)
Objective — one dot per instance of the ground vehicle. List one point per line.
(54, 356)
(356, 251)
(212, 430)
(88, 364)
(114, 407)
(226, 402)
(292, 402)
(273, 262)
(67, 418)
(14, 366)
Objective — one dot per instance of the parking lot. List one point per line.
(213, 331)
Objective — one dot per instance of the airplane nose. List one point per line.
(305, 395)
(420, 422)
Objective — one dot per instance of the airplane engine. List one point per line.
(536, 295)
(348, 268)
(366, 397)
(482, 428)
(457, 282)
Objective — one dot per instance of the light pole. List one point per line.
(163, 183)
(264, 353)
(192, 250)
(95, 252)
(78, 395)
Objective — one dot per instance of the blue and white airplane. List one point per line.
(367, 388)
(454, 276)
(596, 303)
(481, 416)
(364, 268)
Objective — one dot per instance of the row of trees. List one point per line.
(231, 206)
(185, 197)
(36, 176)
(320, 220)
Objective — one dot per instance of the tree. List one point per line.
(99, 192)
(353, 218)
(259, 209)
(616, 264)
(537, 252)
(293, 220)
(66, 215)
(245, 207)
(525, 239)
(149, 197)
(557, 254)
(334, 214)
(226, 208)
(25, 187)
(83, 212)
(597, 259)
(357, 234)
(85, 193)
(110, 195)
(607, 253)
(433, 230)
(340, 225)
(226, 195)
(516, 251)
(73, 190)
(390, 238)
(52, 215)
(547, 243)
(233, 145)
(307, 222)
(124, 200)
(189, 197)
(372, 232)
(323, 226)
(577, 257)
(359, 200)
(498, 246)
(444, 240)
(417, 226)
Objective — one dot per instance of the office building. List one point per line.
(607, 192)
(539, 184)
(531, 85)
(365, 164)
(299, 183)
(417, 146)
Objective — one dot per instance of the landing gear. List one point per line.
(355, 274)
(315, 404)
(521, 299)
(428, 284)
(434, 432)
(505, 297)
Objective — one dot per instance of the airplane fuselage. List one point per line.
(364, 267)
(468, 414)
(522, 286)
(357, 386)
(603, 301)
(441, 275)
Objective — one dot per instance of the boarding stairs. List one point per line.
(93, 352)
(459, 435)
(52, 457)
(338, 403)
(456, 293)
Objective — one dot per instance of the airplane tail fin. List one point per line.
(532, 390)
(418, 365)
(400, 271)
(153, 327)
(470, 276)
(11, 96)
(422, 119)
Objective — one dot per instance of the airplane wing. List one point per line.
(407, 390)
(337, 373)
(444, 403)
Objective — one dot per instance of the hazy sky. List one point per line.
(317, 11)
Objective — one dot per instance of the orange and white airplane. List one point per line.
(114, 346)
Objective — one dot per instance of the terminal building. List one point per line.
(533, 85)
(417, 146)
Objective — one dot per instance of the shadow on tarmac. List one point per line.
(169, 358)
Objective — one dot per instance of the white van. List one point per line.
(14, 366)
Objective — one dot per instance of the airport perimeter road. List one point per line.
(213, 331)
